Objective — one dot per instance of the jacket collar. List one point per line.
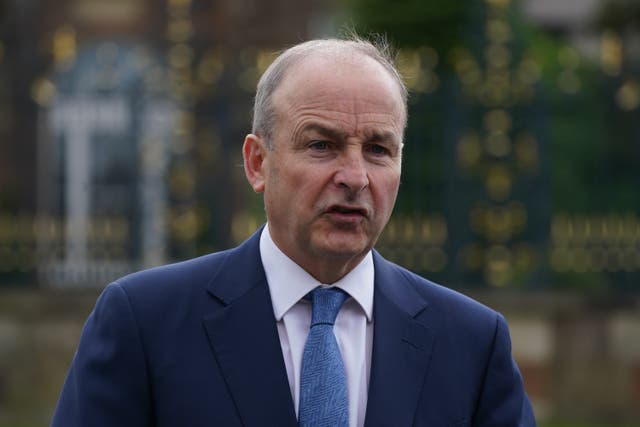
(402, 347)
(244, 339)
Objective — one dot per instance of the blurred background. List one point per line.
(121, 123)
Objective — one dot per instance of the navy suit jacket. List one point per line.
(195, 344)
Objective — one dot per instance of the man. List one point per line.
(224, 340)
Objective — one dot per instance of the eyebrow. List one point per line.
(371, 136)
(324, 130)
(384, 136)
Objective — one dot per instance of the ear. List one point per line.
(254, 152)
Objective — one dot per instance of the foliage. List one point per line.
(435, 23)
(587, 142)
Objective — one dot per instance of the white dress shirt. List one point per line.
(288, 284)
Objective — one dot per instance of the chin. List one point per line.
(344, 249)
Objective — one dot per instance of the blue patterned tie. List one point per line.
(323, 384)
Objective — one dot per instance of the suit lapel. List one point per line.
(401, 349)
(244, 340)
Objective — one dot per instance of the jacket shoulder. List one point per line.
(188, 272)
(449, 304)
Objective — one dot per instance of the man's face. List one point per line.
(331, 179)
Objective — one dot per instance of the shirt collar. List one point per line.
(289, 283)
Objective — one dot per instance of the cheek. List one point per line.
(292, 192)
(306, 182)
(389, 189)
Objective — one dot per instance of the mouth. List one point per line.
(346, 212)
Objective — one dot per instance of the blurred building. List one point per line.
(129, 117)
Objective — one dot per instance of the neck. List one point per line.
(329, 271)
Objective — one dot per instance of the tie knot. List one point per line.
(326, 303)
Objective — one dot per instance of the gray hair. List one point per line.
(264, 114)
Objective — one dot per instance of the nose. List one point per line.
(352, 173)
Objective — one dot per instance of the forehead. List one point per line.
(345, 83)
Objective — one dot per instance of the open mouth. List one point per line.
(347, 210)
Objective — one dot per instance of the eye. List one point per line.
(319, 145)
(378, 150)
